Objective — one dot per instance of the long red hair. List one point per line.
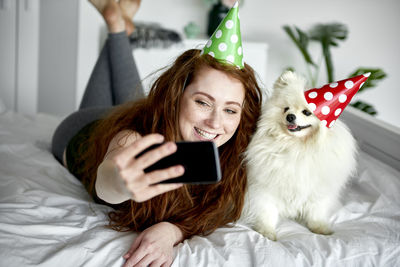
(195, 209)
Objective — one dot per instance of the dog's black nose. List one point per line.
(291, 117)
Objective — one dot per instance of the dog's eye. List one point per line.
(286, 109)
(306, 112)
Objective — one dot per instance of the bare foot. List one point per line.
(129, 9)
(112, 14)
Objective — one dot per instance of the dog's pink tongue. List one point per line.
(292, 126)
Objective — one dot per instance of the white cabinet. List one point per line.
(19, 43)
(64, 35)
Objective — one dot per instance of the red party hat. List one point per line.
(329, 101)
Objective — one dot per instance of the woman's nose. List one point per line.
(214, 119)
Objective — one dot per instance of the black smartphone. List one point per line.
(200, 160)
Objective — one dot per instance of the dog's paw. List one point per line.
(267, 232)
(319, 227)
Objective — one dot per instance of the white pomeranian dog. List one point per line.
(296, 166)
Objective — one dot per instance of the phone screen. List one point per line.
(200, 160)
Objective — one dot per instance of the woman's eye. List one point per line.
(286, 109)
(230, 111)
(201, 103)
(306, 112)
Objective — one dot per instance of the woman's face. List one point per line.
(211, 107)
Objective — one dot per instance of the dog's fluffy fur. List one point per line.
(297, 173)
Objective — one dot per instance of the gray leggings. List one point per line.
(114, 80)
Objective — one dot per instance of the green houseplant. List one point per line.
(328, 36)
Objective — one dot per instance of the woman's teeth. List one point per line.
(205, 134)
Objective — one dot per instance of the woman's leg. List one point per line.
(98, 91)
(115, 78)
(126, 84)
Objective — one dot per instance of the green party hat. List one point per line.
(226, 42)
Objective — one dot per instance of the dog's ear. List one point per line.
(289, 78)
(282, 81)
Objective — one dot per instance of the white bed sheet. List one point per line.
(48, 219)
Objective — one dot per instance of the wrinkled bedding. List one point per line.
(48, 219)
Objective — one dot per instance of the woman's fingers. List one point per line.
(144, 255)
(167, 264)
(134, 246)
(158, 189)
(139, 145)
(157, 176)
(149, 258)
(154, 155)
(152, 191)
(136, 256)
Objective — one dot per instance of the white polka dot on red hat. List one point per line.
(338, 111)
(328, 96)
(312, 94)
(349, 84)
(333, 85)
(332, 123)
(325, 110)
(342, 98)
(312, 106)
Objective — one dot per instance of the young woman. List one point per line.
(198, 98)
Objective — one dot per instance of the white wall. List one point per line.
(373, 38)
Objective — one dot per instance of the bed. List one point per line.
(48, 219)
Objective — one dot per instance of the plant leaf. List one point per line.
(328, 35)
(377, 74)
(363, 106)
(301, 41)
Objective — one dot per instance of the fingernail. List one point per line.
(171, 146)
(179, 169)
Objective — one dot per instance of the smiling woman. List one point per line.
(220, 102)
(199, 98)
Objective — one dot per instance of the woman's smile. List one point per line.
(204, 135)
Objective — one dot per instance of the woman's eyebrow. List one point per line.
(213, 99)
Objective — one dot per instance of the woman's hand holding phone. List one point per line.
(129, 169)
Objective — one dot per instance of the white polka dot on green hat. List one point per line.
(226, 42)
